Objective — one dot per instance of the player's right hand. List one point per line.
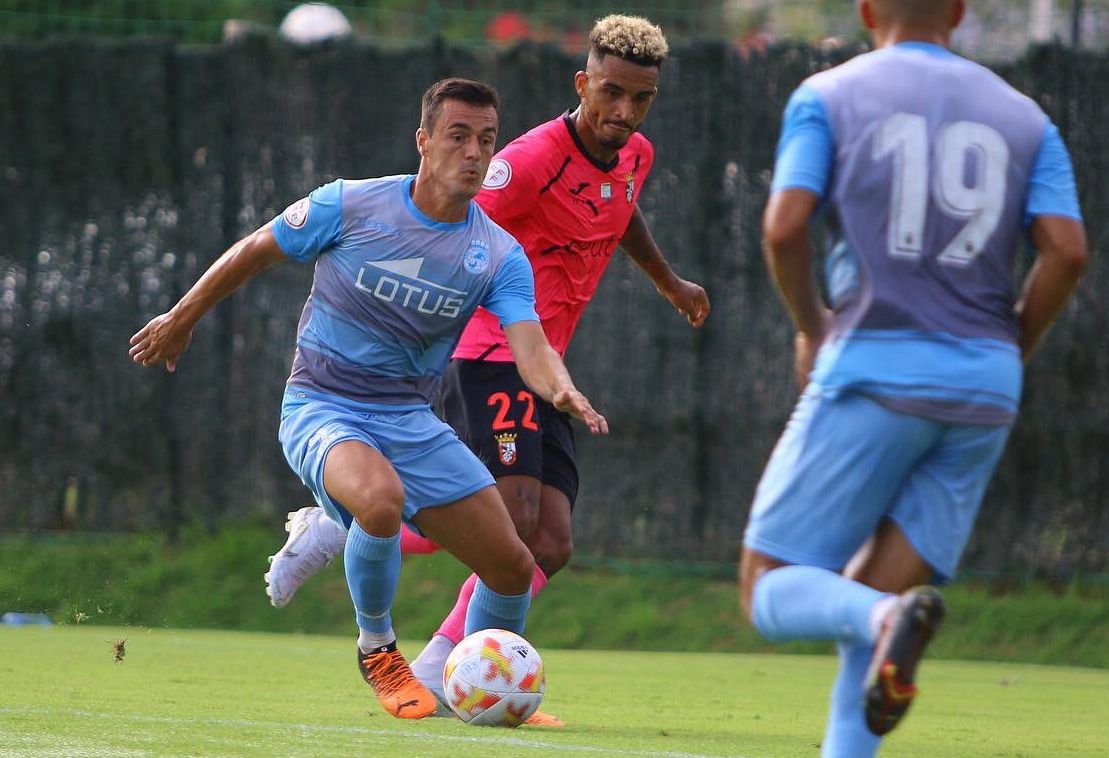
(162, 340)
(577, 405)
(804, 357)
(805, 349)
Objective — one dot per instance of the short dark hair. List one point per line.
(633, 38)
(455, 88)
(917, 11)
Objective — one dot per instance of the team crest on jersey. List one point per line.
(476, 260)
(630, 179)
(297, 214)
(606, 190)
(498, 175)
(506, 448)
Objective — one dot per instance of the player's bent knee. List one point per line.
(553, 552)
(379, 505)
(516, 570)
(523, 567)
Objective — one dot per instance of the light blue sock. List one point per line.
(372, 566)
(847, 735)
(492, 610)
(809, 603)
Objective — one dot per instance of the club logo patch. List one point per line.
(630, 179)
(476, 259)
(296, 215)
(498, 175)
(506, 448)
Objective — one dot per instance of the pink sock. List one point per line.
(414, 544)
(454, 625)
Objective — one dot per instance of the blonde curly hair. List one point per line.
(632, 38)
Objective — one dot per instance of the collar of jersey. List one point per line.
(423, 218)
(930, 48)
(606, 167)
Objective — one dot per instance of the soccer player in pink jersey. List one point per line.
(567, 191)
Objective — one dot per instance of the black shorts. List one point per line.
(511, 430)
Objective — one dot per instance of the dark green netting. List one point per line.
(126, 168)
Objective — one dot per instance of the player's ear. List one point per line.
(421, 141)
(866, 13)
(958, 9)
(581, 82)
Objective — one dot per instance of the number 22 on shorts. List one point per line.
(503, 404)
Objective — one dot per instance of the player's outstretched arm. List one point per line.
(788, 252)
(1060, 261)
(166, 337)
(688, 298)
(542, 369)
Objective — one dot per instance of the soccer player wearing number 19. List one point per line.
(929, 168)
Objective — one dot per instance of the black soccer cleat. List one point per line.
(905, 633)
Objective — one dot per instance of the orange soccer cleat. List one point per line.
(539, 718)
(398, 690)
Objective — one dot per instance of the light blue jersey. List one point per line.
(391, 293)
(929, 167)
(393, 289)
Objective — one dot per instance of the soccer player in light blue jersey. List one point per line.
(401, 263)
(928, 169)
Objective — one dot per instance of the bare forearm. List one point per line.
(238, 265)
(1054, 276)
(791, 269)
(545, 373)
(640, 246)
(788, 253)
(1059, 265)
(166, 336)
(542, 370)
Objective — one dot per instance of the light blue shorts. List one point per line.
(844, 463)
(434, 466)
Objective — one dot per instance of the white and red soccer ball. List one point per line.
(494, 678)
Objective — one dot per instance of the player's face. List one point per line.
(615, 97)
(457, 150)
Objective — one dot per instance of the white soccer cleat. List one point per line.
(314, 541)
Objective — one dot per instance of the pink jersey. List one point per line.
(568, 212)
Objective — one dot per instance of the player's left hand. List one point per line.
(578, 406)
(690, 299)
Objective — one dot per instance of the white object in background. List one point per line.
(314, 22)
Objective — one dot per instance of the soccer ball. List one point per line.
(494, 678)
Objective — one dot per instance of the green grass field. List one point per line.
(214, 581)
(237, 693)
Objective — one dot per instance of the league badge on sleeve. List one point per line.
(296, 215)
(506, 448)
(498, 175)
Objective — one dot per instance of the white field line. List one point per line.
(515, 742)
